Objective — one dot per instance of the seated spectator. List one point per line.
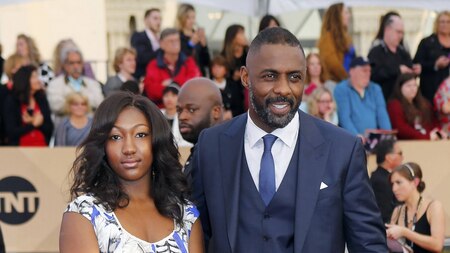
(170, 65)
(410, 113)
(59, 58)
(235, 48)
(170, 98)
(74, 128)
(433, 54)
(131, 86)
(442, 105)
(316, 76)
(389, 59)
(389, 156)
(26, 111)
(231, 92)
(420, 221)
(193, 41)
(124, 64)
(268, 21)
(321, 105)
(12, 64)
(72, 81)
(2, 61)
(360, 102)
(26, 47)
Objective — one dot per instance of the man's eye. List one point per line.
(192, 110)
(269, 76)
(295, 77)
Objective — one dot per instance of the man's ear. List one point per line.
(244, 76)
(217, 113)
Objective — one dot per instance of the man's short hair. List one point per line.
(167, 32)
(273, 36)
(149, 11)
(383, 148)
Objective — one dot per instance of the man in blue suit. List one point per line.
(277, 179)
(146, 42)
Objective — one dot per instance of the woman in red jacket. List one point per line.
(410, 113)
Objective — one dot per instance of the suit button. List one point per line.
(266, 238)
(266, 216)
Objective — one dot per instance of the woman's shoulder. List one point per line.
(88, 206)
(191, 212)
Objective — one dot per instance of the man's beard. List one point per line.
(270, 119)
(192, 136)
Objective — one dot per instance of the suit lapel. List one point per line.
(312, 162)
(231, 151)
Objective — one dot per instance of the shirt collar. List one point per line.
(121, 77)
(254, 133)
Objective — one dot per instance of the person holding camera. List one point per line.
(27, 115)
(419, 223)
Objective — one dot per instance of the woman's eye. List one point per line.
(115, 137)
(141, 135)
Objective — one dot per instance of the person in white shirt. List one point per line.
(72, 81)
(276, 179)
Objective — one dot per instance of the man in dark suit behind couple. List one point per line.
(277, 179)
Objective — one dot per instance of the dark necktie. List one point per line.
(267, 170)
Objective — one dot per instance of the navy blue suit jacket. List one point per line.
(144, 50)
(343, 212)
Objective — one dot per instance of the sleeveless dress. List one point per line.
(422, 227)
(112, 237)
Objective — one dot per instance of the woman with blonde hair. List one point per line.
(335, 44)
(74, 128)
(12, 64)
(419, 223)
(433, 54)
(193, 40)
(321, 105)
(125, 65)
(26, 47)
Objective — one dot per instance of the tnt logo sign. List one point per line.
(19, 200)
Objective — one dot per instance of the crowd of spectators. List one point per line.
(340, 86)
(42, 106)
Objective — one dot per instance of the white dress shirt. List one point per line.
(282, 149)
(153, 39)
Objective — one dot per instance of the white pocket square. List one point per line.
(323, 185)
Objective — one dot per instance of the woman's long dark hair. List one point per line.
(93, 175)
(265, 21)
(227, 50)
(21, 80)
(418, 107)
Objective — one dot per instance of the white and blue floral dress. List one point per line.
(112, 237)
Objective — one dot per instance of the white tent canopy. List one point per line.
(276, 7)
